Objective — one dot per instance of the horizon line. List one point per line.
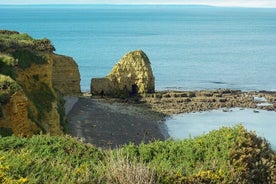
(135, 4)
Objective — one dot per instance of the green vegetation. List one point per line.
(13, 40)
(6, 65)
(61, 111)
(5, 131)
(45, 159)
(8, 87)
(43, 97)
(227, 155)
(27, 58)
(20, 51)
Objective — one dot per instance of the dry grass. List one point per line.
(121, 171)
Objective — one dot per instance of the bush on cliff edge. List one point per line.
(227, 155)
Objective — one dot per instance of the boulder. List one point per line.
(132, 75)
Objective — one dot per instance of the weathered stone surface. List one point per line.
(131, 75)
(16, 116)
(173, 102)
(66, 75)
(31, 81)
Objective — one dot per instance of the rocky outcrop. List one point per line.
(66, 76)
(173, 102)
(33, 80)
(130, 76)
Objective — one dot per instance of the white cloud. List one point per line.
(242, 3)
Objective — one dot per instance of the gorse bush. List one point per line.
(45, 159)
(227, 155)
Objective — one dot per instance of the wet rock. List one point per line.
(191, 101)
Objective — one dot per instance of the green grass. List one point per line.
(227, 155)
(12, 40)
(42, 98)
(7, 64)
(45, 159)
(26, 58)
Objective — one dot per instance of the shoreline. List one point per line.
(111, 123)
(176, 102)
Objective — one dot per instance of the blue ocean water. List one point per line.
(194, 124)
(190, 47)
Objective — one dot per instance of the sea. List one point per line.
(189, 47)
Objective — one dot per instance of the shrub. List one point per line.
(7, 64)
(227, 155)
(12, 40)
(42, 98)
(45, 159)
(4, 132)
(8, 87)
(27, 58)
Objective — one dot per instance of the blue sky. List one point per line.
(242, 3)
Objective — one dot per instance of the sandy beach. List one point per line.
(110, 124)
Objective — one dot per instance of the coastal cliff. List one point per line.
(66, 75)
(132, 75)
(33, 81)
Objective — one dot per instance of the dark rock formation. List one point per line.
(130, 76)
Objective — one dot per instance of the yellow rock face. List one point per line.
(32, 82)
(131, 75)
(16, 116)
(35, 107)
(66, 75)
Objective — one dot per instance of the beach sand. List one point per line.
(110, 124)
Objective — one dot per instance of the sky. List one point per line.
(240, 3)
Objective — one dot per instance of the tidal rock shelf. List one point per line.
(175, 102)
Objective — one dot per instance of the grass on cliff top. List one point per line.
(13, 40)
(227, 155)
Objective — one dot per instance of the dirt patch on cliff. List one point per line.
(107, 123)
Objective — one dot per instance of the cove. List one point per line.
(194, 124)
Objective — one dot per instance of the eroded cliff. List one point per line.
(33, 80)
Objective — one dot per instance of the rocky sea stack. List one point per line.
(33, 80)
(132, 75)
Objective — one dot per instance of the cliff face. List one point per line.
(66, 76)
(131, 75)
(32, 85)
